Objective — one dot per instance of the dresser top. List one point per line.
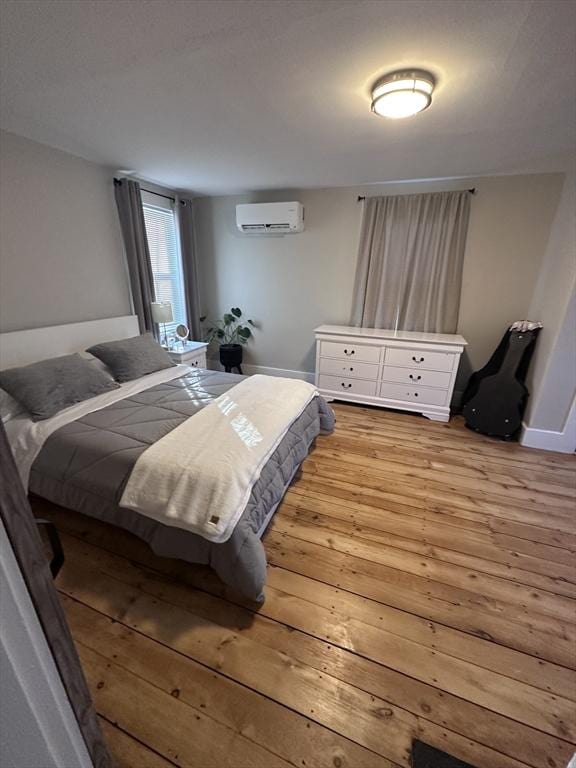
(379, 333)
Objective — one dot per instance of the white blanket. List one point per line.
(200, 475)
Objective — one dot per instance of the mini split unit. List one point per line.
(270, 218)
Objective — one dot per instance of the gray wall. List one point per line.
(553, 373)
(61, 255)
(290, 284)
(293, 283)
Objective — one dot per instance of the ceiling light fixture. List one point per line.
(403, 93)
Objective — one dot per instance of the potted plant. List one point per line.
(232, 333)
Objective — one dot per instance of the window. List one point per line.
(162, 234)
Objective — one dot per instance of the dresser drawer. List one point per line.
(361, 352)
(350, 386)
(420, 378)
(420, 358)
(349, 368)
(191, 353)
(413, 394)
(198, 362)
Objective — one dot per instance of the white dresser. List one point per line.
(406, 370)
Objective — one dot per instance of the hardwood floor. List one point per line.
(422, 584)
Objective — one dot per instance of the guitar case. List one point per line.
(496, 396)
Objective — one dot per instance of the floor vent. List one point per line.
(425, 756)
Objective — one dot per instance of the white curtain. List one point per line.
(409, 272)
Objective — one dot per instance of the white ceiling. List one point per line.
(220, 96)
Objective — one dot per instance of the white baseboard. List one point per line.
(252, 369)
(562, 442)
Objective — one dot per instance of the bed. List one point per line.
(83, 457)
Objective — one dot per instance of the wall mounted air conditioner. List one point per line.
(270, 218)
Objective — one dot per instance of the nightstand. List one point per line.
(190, 353)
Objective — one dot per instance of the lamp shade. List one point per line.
(162, 312)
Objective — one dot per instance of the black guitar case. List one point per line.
(495, 398)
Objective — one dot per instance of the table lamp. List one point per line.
(162, 314)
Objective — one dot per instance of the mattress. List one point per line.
(85, 464)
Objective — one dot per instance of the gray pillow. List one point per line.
(9, 407)
(131, 358)
(47, 387)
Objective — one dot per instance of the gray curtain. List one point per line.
(409, 272)
(185, 210)
(129, 203)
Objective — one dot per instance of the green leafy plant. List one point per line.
(230, 329)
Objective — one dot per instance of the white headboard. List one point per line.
(23, 347)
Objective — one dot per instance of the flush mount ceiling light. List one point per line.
(401, 94)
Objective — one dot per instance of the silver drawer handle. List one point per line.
(348, 352)
(416, 360)
(415, 378)
(346, 386)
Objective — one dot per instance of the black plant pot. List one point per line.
(231, 356)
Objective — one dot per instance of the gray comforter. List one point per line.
(85, 465)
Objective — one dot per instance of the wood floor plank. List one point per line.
(129, 753)
(450, 462)
(461, 747)
(372, 723)
(548, 712)
(556, 644)
(443, 709)
(560, 496)
(449, 507)
(553, 642)
(559, 516)
(329, 659)
(346, 606)
(461, 678)
(468, 595)
(437, 541)
(422, 436)
(422, 584)
(343, 606)
(546, 553)
(398, 449)
(438, 603)
(184, 735)
(441, 564)
(316, 486)
(291, 736)
(431, 513)
(536, 533)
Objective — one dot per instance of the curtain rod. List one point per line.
(472, 191)
(158, 194)
(150, 192)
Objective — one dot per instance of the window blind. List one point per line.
(166, 260)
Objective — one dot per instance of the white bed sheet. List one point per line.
(26, 437)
